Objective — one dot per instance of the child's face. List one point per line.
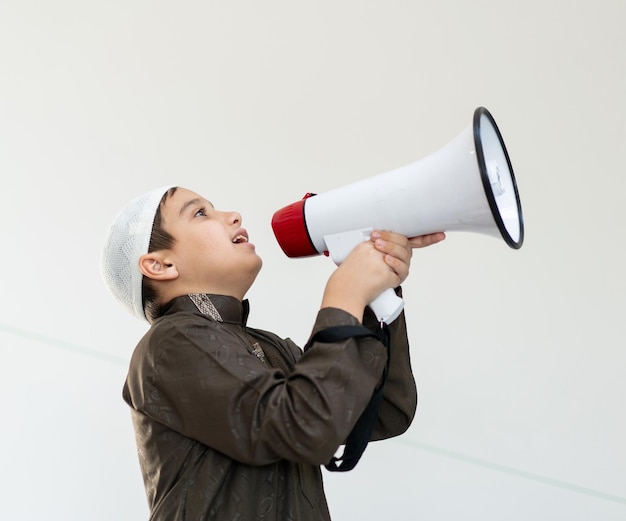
(211, 251)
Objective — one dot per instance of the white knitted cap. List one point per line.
(127, 240)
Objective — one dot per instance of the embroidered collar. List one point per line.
(205, 306)
(220, 308)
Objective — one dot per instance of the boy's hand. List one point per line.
(398, 249)
(426, 240)
(371, 268)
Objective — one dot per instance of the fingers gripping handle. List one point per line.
(387, 306)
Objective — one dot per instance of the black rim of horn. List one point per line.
(482, 165)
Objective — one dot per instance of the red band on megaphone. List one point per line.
(290, 230)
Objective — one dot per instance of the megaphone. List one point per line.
(468, 185)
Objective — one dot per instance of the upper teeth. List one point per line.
(240, 238)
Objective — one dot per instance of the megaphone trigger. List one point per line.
(339, 245)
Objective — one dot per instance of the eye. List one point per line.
(201, 212)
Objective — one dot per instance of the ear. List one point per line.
(157, 267)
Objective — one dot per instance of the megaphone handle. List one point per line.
(387, 306)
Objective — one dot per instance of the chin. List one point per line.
(259, 266)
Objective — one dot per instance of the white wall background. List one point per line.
(520, 355)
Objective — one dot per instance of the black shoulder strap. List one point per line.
(362, 432)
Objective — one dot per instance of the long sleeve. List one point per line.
(200, 379)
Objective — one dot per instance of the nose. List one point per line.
(234, 218)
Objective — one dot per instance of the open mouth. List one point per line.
(240, 238)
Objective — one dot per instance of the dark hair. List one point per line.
(160, 239)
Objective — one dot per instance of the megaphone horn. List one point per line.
(468, 185)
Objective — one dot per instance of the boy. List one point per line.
(233, 422)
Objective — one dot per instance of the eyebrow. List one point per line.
(193, 202)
